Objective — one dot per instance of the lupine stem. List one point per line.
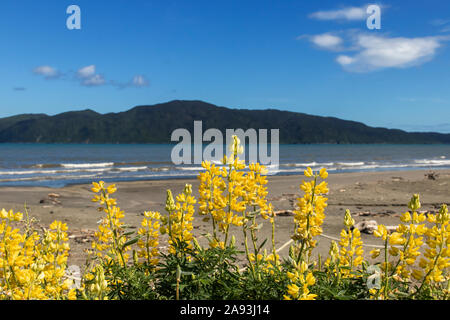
(252, 268)
(386, 268)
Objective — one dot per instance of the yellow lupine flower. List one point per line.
(293, 290)
(149, 241)
(310, 280)
(308, 172)
(33, 267)
(300, 280)
(406, 217)
(97, 187)
(323, 173)
(111, 189)
(350, 254)
(110, 238)
(396, 238)
(414, 203)
(309, 216)
(348, 220)
(72, 295)
(380, 232)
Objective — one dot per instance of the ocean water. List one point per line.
(57, 165)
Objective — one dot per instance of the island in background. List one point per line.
(154, 124)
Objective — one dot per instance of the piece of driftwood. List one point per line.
(53, 195)
(432, 175)
(52, 198)
(370, 226)
(391, 229)
(284, 213)
(82, 236)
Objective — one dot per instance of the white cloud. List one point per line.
(86, 72)
(46, 71)
(368, 52)
(349, 13)
(88, 77)
(95, 80)
(344, 60)
(326, 41)
(373, 52)
(139, 81)
(444, 24)
(377, 52)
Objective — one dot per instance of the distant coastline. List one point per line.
(155, 123)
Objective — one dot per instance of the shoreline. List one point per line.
(381, 196)
(297, 174)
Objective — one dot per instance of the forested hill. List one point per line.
(155, 123)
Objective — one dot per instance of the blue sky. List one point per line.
(316, 57)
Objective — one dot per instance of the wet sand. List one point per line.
(379, 196)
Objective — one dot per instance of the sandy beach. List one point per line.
(379, 196)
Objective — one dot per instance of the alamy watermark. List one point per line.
(374, 280)
(374, 19)
(191, 151)
(74, 20)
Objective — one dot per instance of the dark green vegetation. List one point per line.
(154, 124)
